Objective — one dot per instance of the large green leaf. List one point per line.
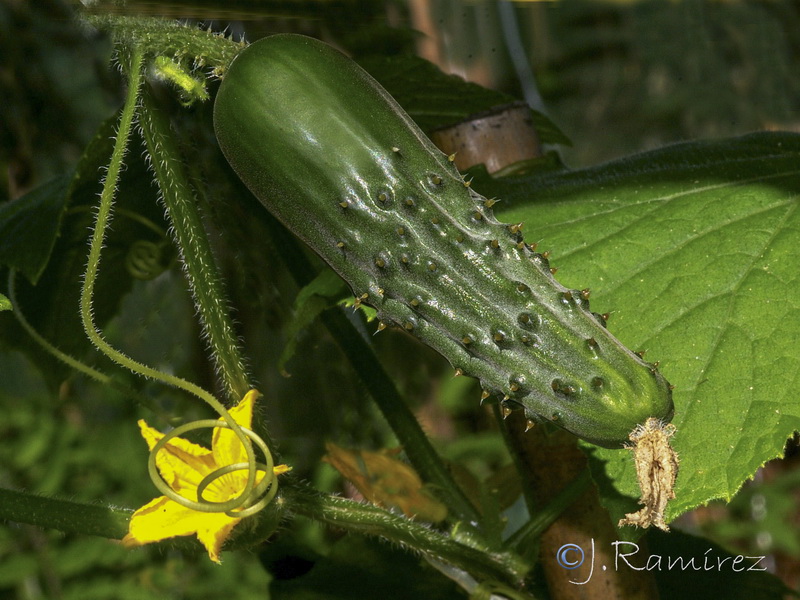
(435, 99)
(31, 224)
(695, 250)
(314, 298)
(29, 227)
(46, 234)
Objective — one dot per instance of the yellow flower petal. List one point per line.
(158, 520)
(214, 534)
(226, 447)
(182, 464)
(152, 436)
(162, 518)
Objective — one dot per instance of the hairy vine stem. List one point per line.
(191, 238)
(372, 520)
(247, 501)
(161, 37)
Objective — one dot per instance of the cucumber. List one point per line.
(326, 149)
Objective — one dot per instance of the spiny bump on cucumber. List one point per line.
(334, 157)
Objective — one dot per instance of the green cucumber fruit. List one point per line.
(326, 149)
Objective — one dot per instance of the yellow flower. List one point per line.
(184, 465)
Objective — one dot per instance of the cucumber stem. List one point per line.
(112, 522)
(565, 509)
(375, 521)
(135, 72)
(198, 259)
(153, 36)
(64, 515)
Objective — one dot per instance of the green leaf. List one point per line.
(5, 303)
(51, 305)
(29, 227)
(31, 224)
(321, 293)
(435, 99)
(694, 249)
(548, 131)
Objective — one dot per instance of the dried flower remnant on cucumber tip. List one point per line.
(656, 471)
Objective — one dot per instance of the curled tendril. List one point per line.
(145, 260)
(253, 497)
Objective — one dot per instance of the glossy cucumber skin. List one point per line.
(325, 148)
